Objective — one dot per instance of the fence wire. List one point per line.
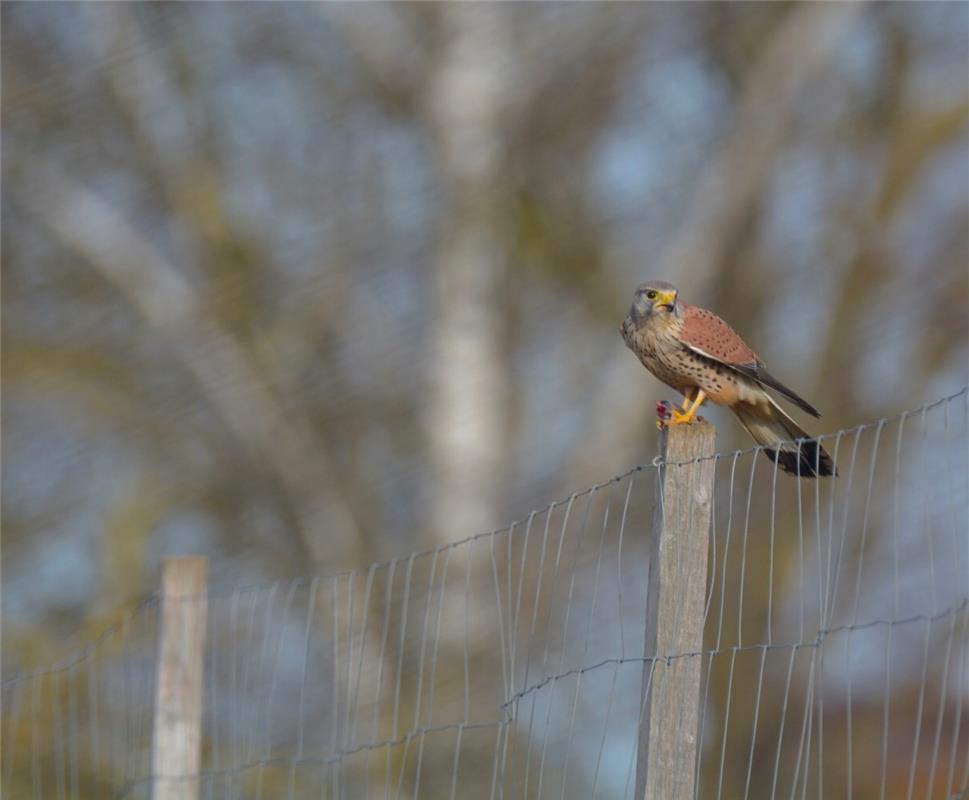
(835, 659)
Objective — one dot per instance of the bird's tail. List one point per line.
(784, 441)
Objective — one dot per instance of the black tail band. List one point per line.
(808, 461)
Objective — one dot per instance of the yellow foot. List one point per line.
(676, 418)
(689, 413)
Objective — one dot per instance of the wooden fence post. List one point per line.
(666, 756)
(177, 741)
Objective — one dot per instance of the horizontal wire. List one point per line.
(309, 762)
(817, 642)
(85, 651)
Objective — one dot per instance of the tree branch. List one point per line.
(279, 438)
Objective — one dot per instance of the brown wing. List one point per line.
(705, 333)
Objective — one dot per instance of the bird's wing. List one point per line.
(705, 333)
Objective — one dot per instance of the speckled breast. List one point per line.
(661, 356)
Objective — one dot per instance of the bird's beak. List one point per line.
(665, 300)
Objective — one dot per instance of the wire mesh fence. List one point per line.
(835, 660)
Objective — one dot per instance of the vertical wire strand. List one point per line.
(345, 678)
(375, 729)
(12, 720)
(886, 706)
(918, 713)
(364, 627)
(781, 726)
(502, 647)
(941, 708)
(770, 553)
(36, 776)
(835, 580)
(726, 721)
(57, 736)
(408, 737)
(726, 550)
(753, 727)
(649, 668)
(335, 684)
(247, 690)
(588, 637)
(563, 651)
(437, 636)
(605, 729)
(211, 696)
(466, 717)
(896, 493)
(94, 716)
(801, 586)
(531, 640)
(743, 555)
(622, 528)
(301, 711)
(237, 688)
(926, 522)
(401, 644)
(457, 759)
(706, 659)
(532, 633)
(501, 741)
(863, 544)
(549, 701)
(804, 746)
(262, 665)
(509, 608)
(963, 660)
(961, 679)
(516, 615)
(418, 700)
(119, 777)
(74, 788)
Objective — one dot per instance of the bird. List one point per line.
(699, 355)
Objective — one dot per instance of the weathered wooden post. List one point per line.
(177, 742)
(666, 760)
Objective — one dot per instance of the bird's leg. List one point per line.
(688, 413)
(687, 399)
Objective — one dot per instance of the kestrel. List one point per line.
(699, 355)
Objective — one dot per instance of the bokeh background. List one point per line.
(302, 287)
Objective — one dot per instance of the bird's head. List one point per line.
(653, 300)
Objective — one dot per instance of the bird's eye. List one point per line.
(650, 295)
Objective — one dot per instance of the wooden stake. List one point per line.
(666, 760)
(177, 742)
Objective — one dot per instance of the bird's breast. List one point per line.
(656, 351)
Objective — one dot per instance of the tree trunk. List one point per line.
(464, 415)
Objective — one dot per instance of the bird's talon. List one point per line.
(676, 418)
